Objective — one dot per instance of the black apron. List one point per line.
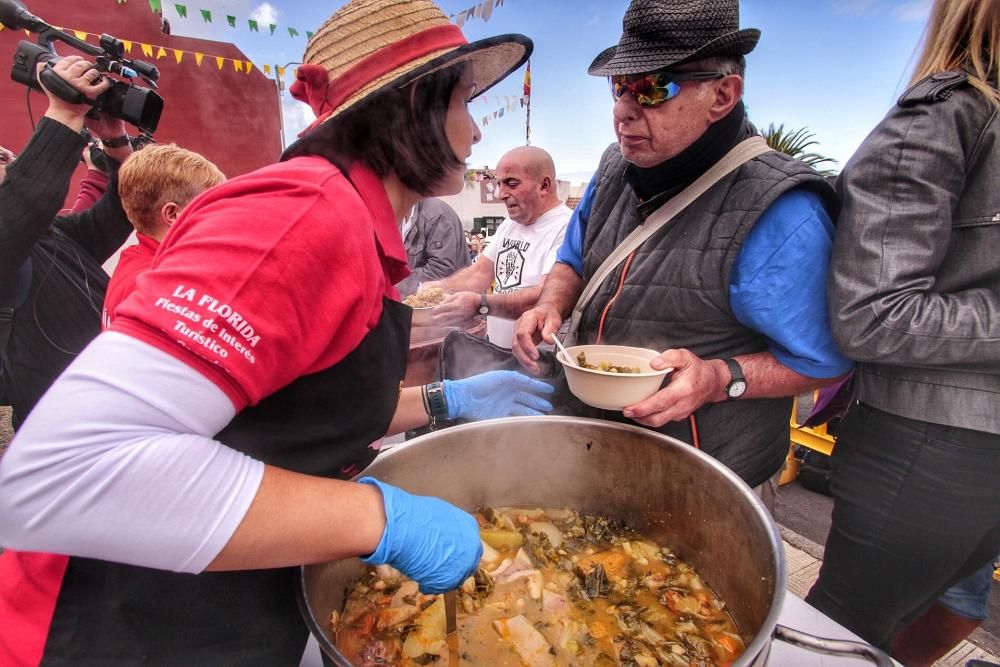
(321, 424)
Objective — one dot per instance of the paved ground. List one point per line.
(805, 519)
(6, 432)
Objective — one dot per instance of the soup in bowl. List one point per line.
(611, 377)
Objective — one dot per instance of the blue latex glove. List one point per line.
(496, 394)
(430, 541)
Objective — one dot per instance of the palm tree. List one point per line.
(795, 144)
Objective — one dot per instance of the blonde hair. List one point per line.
(964, 34)
(161, 174)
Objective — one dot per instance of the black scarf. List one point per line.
(654, 185)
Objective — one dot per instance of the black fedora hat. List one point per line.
(657, 34)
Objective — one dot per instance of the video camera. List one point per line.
(131, 103)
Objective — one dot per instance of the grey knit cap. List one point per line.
(657, 34)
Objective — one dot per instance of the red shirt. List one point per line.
(270, 276)
(134, 260)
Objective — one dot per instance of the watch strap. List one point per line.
(116, 142)
(736, 375)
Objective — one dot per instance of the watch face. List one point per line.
(483, 310)
(736, 388)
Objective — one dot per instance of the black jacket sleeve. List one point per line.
(102, 228)
(34, 190)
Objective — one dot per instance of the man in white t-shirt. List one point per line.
(521, 253)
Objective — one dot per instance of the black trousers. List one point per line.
(917, 509)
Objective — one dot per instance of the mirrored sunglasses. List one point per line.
(650, 90)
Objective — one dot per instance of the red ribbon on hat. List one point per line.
(313, 86)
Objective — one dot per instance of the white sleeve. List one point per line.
(117, 462)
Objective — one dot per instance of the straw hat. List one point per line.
(660, 33)
(370, 44)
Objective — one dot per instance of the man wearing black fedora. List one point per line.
(730, 285)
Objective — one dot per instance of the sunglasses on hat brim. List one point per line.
(650, 90)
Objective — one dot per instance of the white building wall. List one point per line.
(468, 203)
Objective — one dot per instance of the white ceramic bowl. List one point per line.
(611, 391)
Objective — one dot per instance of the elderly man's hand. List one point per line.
(533, 327)
(78, 73)
(455, 308)
(693, 383)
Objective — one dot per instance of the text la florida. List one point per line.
(222, 311)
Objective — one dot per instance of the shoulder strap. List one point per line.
(742, 153)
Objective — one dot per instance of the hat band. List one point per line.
(389, 58)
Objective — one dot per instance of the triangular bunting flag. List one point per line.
(499, 3)
(248, 67)
(292, 32)
(155, 6)
(460, 19)
(501, 113)
(182, 11)
(494, 114)
(267, 70)
(162, 53)
(309, 35)
(273, 28)
(2, 26)
(198, 57)
(147, 50)
(253, 25)
(487, 10)
(127, 43)
(219, 60)
(122, 2)
(81, 35)
(238, 65)
(280, 71)
(178, 56)
(206, 16)
(231, 20)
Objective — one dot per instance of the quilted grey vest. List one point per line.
(676, 294)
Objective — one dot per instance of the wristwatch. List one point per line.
(738, 384)
(484, 306)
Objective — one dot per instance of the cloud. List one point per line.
(914, 10)
(297, 116)
(265, 14)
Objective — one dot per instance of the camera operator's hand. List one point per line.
(76, 71)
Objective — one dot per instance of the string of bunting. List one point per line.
(511, 103)
(483, 10)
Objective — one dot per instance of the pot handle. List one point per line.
(832, 646)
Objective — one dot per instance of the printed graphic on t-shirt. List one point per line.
(510, 265)
(210, 324)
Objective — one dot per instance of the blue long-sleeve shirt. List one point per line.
(778, 283)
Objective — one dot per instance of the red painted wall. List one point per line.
(229, 116)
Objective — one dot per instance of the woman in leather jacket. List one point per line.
(915, 301)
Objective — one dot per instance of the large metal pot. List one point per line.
(665, 489)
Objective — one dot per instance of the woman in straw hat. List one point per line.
(915, 299)
(249, 374)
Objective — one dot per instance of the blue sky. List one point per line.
(835, 66)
